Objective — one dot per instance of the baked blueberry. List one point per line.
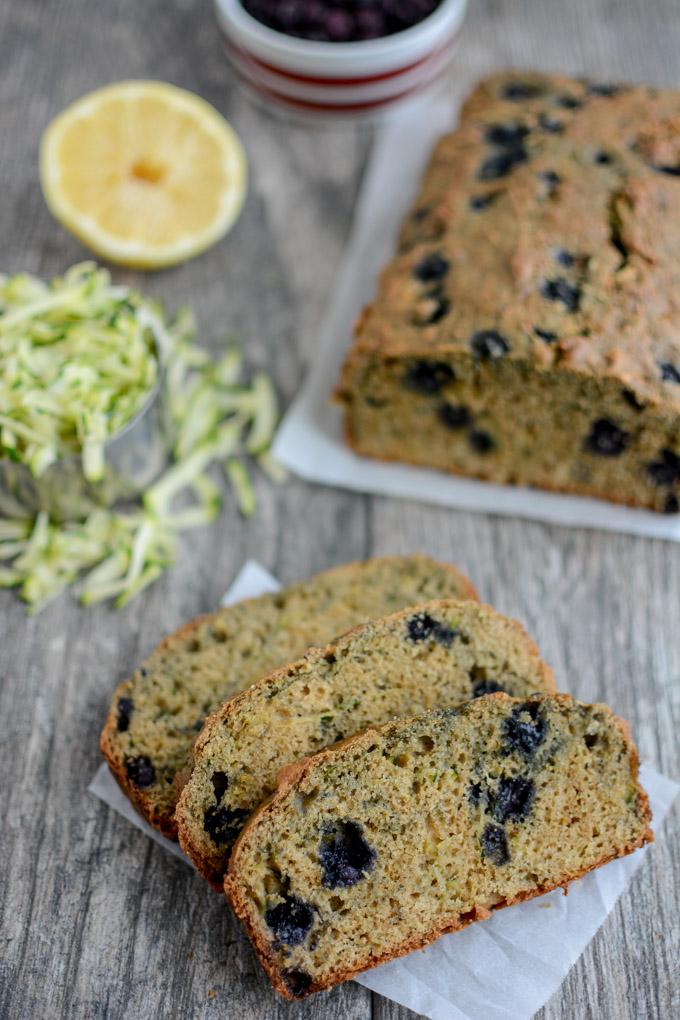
(674, 171)
(454, 416)
(665, 470)
(431, 267)
(482, 687)
(140, 771)
(506, 136)
(514, 799)
(124, 714)
(495, 844)
(344, 855)
(603, 158)
(501, 163)
(551, 180)
(423, 627)
(669, 372)
(633, 400)
(606, 439)
(545, 334)
(444, 635)
(480, 441)
(290, 921)
(428, 376)
(565, 258)
(488, 345)
(525, 729)
(419, 215)
(298, 982)
(671, 506)
(551, 124)
(569, 102)
(605, 89)
(224, 824)
(220, 784)
(478, 202)
(516, 91)
(475, 793)
(560, 289)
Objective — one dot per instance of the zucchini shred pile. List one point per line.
(79, 357)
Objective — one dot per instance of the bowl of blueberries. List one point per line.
(339, 57)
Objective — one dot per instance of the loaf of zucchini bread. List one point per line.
(156, 714)
(380, 845)
(528, 330)
(434, 655)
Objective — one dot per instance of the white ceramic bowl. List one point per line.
(338, 78)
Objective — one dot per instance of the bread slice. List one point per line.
(434, 655)
(380, 845)
(155, 715)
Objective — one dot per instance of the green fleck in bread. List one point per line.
(380, 845)
(528, 331)
(434, 655)
(155, 715)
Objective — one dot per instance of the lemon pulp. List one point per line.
(144, 173)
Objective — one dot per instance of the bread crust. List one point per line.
(293, 774)
(216, 720)
(141, 801)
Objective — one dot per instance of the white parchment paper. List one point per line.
(505, 968)
(309, 441)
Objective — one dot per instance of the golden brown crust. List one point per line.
(111, 752)
(114, 760)
(143, 803)
(457, 923)
(586, 344)
(293, 774)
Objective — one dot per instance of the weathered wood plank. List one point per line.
(97, 921)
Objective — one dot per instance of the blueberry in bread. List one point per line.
(380, 845)
(156, 714)
(434, 655)
(528, 330)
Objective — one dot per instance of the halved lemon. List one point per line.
(143, 173)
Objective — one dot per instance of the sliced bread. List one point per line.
(380, 845)
(434, 655)
(155, 714)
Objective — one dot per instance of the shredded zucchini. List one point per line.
(77, 362)
(78, 358)
(242, 486)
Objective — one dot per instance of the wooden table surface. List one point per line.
(99, 922)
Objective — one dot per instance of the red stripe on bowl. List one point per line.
(334, 95)
(321, 107)
(341, 81)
